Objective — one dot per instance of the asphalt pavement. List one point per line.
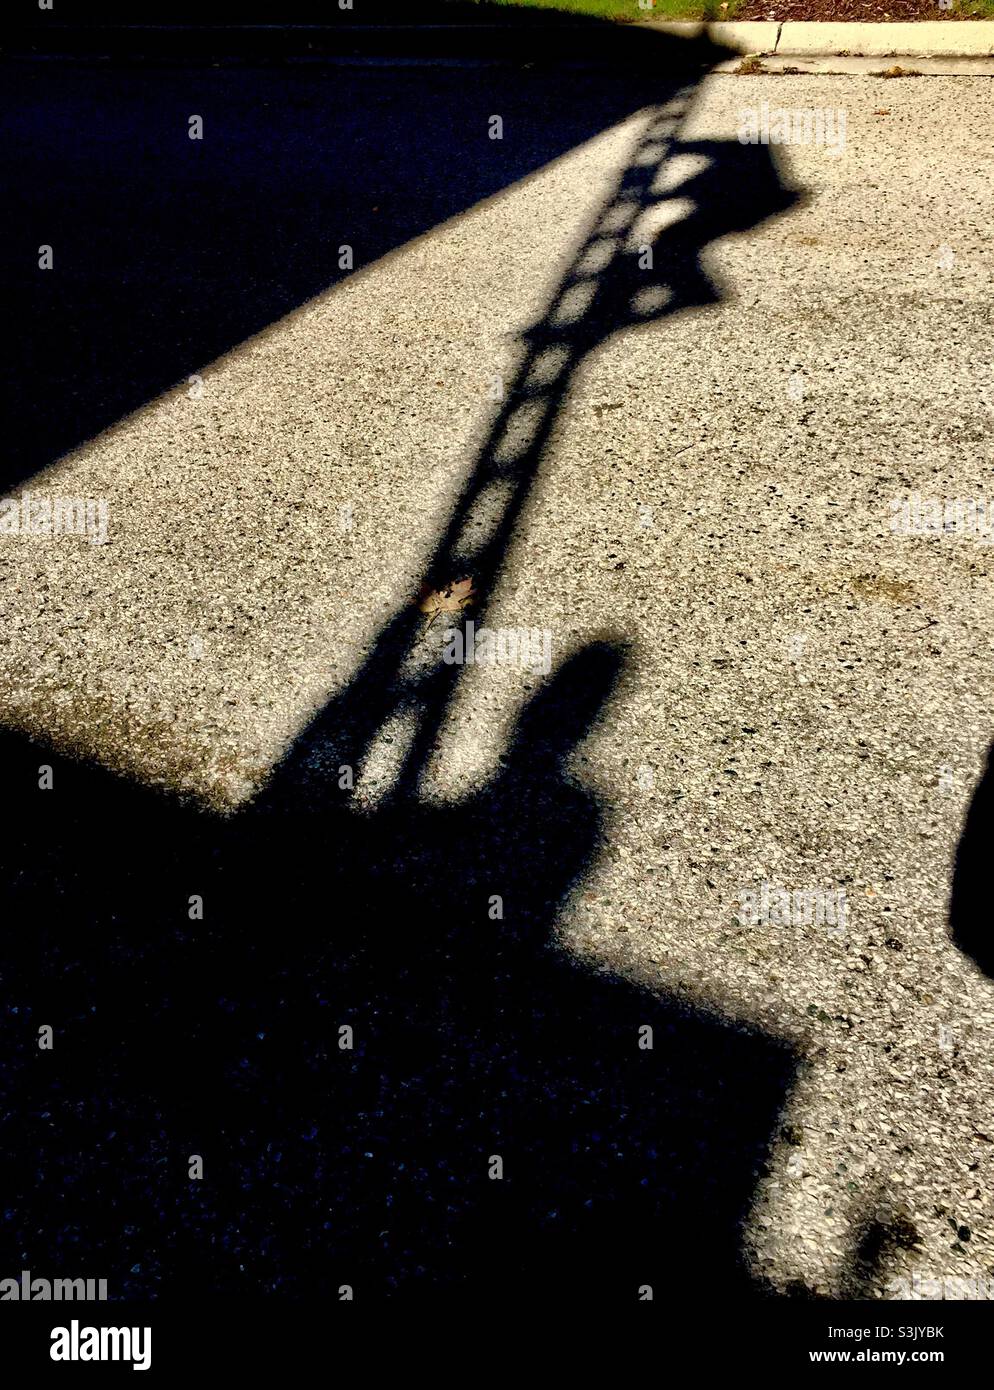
(698, 476)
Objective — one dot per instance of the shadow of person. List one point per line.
(504, 1121)
(969, 907)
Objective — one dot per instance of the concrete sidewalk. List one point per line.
(925, 39)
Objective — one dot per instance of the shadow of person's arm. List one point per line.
(970, 904)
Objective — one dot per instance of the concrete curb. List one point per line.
(748, 36)
(849, 65)
(926, 39)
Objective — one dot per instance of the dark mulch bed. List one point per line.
(855, 10)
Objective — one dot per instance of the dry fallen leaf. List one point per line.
(453, 598)
(897, 71)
